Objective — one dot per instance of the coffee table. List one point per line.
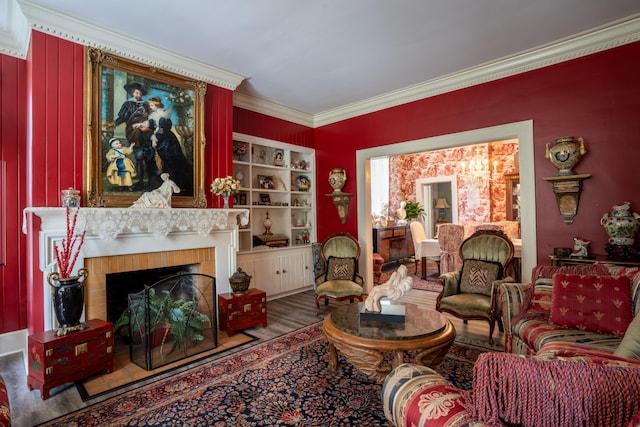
(376, 347)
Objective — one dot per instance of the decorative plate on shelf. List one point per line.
(303, 183)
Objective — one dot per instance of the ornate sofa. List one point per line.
(5, 413)
(563, 375)
(527, 311)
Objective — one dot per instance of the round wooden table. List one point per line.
(365, 342)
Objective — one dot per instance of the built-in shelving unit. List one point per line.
(277, 182)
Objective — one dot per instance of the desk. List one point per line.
(393, 243)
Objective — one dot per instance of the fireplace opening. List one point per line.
(171, 314)
(120, 285)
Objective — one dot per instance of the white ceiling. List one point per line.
(317, 56)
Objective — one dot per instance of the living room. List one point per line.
(588, 90)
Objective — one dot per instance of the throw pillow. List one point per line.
(630, 345)
(341, 269)
(477, 276)
(541, 299)
(592, 303)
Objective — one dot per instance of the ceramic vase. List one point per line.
(565, 154)
(225, 200)
(68, 297)
(337, 179)
(621, 225)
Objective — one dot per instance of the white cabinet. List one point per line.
(279, 272)
(277, 182)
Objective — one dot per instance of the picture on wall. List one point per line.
(148, 123)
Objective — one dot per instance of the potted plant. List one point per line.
(168, 317)
(413, 210)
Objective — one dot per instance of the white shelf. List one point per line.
(278, 165)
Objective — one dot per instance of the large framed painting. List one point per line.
(142, 123)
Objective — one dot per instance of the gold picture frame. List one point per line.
(141, 122)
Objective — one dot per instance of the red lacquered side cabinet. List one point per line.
(57, 360)
(243, 311)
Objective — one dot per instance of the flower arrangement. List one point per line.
(66, 256)
(228, 185)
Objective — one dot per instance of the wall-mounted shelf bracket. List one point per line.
(341, 201)
(567, 189)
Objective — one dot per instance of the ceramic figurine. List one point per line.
(580, 248)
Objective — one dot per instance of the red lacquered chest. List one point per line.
(242, 311)
(55, 360)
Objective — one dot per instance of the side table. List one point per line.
(241, 311)
(57, 360)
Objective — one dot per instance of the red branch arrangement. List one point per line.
(66, 257)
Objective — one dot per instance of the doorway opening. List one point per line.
(522, 131)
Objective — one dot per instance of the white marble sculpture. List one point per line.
(393, 289)
(160, 197)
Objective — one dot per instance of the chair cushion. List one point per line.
(630, 345)
(478, 276)
(339, 288)
(341, 268)
(592, 303)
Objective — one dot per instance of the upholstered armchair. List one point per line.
(340, 279)
(471, 293)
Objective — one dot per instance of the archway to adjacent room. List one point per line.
(522, 131)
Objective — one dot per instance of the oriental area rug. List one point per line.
(285, 381)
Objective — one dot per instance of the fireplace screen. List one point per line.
(173, 319)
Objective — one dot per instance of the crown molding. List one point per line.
(269, 108)
(14, 30)
(607, 37)
(84, 33)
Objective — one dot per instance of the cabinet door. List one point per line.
(267, 274)
(296, 270)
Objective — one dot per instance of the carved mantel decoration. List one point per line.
(118, 232)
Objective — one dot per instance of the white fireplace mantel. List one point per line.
(121, 231)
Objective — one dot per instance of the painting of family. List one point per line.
(142, 144)
(147, 121)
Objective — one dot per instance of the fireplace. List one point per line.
(122, 240)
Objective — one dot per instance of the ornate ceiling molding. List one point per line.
(81, 32)
(14, 30)
(614, 35)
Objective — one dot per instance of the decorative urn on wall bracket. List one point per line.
(567, 185)
(337, 179)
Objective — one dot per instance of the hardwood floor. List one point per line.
(284, 315)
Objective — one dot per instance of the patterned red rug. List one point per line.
(285, 381)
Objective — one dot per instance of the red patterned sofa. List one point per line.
(511, 389)
(563, 374)
(5, 413)
(529, 319)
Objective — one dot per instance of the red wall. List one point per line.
(13, 150)
(596, 97)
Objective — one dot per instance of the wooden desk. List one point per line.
(393, 243)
